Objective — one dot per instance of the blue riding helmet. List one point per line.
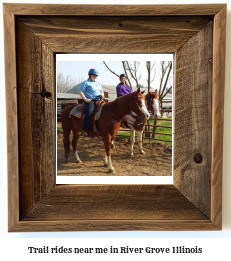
(93, 71)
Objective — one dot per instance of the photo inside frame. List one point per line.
(150, 159)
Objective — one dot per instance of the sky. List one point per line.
(78, 65)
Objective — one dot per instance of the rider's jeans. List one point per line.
(90, 106)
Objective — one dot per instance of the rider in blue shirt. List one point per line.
(90, 91)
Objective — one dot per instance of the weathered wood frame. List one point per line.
(33, 34)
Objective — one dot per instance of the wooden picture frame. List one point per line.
(33, 34)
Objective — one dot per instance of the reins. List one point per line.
(139, 119)
(113, 114)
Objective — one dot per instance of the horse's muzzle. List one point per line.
(156, 117)
(147, 116)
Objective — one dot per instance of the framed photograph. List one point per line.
(34, 34)
(142, 149)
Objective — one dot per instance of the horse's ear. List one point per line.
(138, 90)
(156, 94)
(143, 92)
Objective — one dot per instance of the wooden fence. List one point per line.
(151, 130)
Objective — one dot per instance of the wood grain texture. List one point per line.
(114, 207)
(103, 34)
(193, 113)
(36, 106)
(218, 115)
(12, 117)
(113, 202)
(115, 10)
(114, 225)
(194, 201)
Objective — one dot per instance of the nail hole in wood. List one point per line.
(198, 158)
(45, 94)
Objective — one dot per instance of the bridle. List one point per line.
(141, 118)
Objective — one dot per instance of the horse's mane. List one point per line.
(120, 102)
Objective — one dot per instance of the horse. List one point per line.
(107, 125)
(135, 124)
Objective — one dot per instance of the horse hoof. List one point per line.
(111, 171)
(105, 165)
(142, 152)
(79, 161)
(132, 155)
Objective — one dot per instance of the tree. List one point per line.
(132, 72)
(165, 70)
(125, 71)
(65, 83)
(150, 67)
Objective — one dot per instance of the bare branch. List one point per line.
(148, 65)
(65, 83)
(111, 70)
(164, 78)
(168, 91)
(133, 75)
(124, 66)
(169, 68)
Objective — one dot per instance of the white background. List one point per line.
(215, 244)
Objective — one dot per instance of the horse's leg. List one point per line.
(132, 140)
(66, 143)
(139, 138)
(113, 144)
(107, 160)
(74, 145)
(105, 156)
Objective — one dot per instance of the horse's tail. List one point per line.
(65, 117)
(66, 126)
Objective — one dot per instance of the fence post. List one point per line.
(154, 128)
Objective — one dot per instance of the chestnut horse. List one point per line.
(107, 125)
(136, 124)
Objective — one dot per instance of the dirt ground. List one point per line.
(157, 160)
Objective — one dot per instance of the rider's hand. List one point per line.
(87, 100)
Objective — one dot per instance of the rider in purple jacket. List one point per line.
(122, 88)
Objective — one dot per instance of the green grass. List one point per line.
(158, 129)
(59, 127)
(126, 133)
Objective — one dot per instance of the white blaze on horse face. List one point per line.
(144, 109)
(156, 108)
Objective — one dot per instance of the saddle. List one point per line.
(79, 111)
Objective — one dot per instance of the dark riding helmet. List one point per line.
(93, 71)
(122, 75)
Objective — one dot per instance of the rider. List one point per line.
(90, 91)
(123, 87)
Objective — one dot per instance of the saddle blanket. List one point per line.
(76, 113)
